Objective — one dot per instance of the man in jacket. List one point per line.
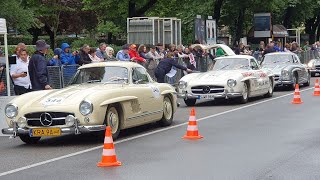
(84, 55)
(165, 66)
(68, 58)
(38, 67)
(134, 55)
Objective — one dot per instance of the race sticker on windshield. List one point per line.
(155, 91)
(52, 101)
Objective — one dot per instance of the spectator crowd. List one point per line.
(30, 73)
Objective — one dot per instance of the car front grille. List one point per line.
(317, 67)
(276, 77)
(207, 89)
(58, 118)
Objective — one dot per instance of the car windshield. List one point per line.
(231, 64)
(111, 74)
(279, 58)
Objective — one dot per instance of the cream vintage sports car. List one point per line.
(237, 76)
(118, 94)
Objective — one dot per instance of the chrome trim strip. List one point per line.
(38, 119)
(145, 114)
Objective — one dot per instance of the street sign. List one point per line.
(211, 31)
(3, 26)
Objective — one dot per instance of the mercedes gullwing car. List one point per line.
(287, 68)
(237, 76)
(117, 94)
(314, 67)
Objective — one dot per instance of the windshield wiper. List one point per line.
(93, 81)
(117, 79)
(224, 67)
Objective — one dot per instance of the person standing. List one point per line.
(20, 75)
(123, 55)
(56, 60)
(84, 55)
(38, 67)
(165, 66)
(101, 51)
(68, 58)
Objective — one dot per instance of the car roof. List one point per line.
(235, 57)
(277, 53)
(111, 63)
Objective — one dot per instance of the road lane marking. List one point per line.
(143, 135)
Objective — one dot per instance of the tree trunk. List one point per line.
(318, 33)
(287, 17)
(133, 12)
(51, 35)
(311, 28)
(109, 38)
(239, 26)
(132, 8)
(35, 32)
(217, 10)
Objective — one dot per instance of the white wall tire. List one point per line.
(167, 117)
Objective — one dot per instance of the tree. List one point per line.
(17, 17)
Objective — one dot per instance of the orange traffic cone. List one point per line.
(109, 157)
(192, 130)
(296, 97)
(316, 88)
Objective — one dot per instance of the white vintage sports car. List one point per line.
(236, 76)
(118, 94)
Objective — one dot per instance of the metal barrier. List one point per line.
(67, 73)
(4, 79)
(306, 56)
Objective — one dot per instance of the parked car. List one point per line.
(119, 94)
(314, 67)
(237, 76)
(287, 68)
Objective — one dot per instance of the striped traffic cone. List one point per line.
(109, 157)
(316, 89)
(192, 130)
(296, 97)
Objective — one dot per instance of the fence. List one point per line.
(306, 56)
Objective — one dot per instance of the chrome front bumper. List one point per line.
(283, 83)
(315, 70)
(66, 130)
(225, 95)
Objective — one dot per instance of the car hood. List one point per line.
(71, 95)
(275, 68)
(213, 76)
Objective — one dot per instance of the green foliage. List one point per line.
(80, 42)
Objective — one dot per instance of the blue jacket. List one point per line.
(38, 71)
(53, 61)
(66, 57)
(122, 56)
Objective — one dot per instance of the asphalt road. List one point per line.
(264, 139)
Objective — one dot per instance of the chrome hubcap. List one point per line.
(271, 88)
(245, 91)
(113, 120)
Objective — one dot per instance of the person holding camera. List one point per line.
(20, 75)
(68, 58)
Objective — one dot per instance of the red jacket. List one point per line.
(134, 54)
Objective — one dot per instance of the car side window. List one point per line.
(139, 76)
(254, 64)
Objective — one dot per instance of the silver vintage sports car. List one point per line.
(287, 68)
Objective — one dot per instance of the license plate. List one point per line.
(207, 96)
(38, 132)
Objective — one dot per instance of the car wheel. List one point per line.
(29, 140)
(270, 91)
(295, 81)
(308, 81)
(167, 112)
(245, 94)
(190, 102)
(113, 120)
(313, 74)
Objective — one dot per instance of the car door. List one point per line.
(150, 94)
(260, 84)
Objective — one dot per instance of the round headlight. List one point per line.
(85, 108)
(182, 84)
(311, 64)
(285, 73)
(11, 110)
(22, 122)
(70, 120)
(231, 83)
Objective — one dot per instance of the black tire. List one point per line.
(29, 140)
(190, 102)
(308, 81)
(313, 74)
(295, 81)
(113, 120)
(244, 98)
(270, 91)
(167, 116)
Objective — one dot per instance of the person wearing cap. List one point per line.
(68, 58)
(56, 61)
(123, 55)
(37, 67)
(134, 55)
(165, 66)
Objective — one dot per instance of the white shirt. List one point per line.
(19, 68)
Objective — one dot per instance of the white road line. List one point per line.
(141, 135)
